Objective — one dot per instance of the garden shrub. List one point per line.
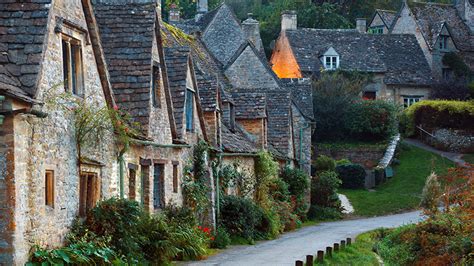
(242, 217)
(431, 195)
(180, 215)
(324, 163)
(266, 171)
(371, 120)
(230, 175)
(119, 220)
(323, 213)
(298, 183)
(452, 90)
(324, 190)
(342, 161)
(221, 238)
(432, 114)
(351, 175)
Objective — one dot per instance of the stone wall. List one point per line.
(247, 71)
(301, 128)
(368, 157)
(453, 140)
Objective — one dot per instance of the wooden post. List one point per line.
(336, 247)
(343, 244)
(309, 260)
(320, 256)
(299, 263)
(348, 241)
(329, 252)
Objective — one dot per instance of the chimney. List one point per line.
(174, 13)
(361, 25)
(251, 30)
(288, 20)
(202, 8)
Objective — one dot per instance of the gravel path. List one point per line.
(296, 245)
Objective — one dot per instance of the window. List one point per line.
(156, 86)
(49, 188)
(369, 95)
(72, 66)
(158, 186)
(410, 100)
(145, 187)
(175, 177)
(376, 29)
(89, 192)
(443, 42)
(447, 73)
(132, 179)
(189, 110)
(331, 62)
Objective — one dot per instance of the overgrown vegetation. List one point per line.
(433, 114)
(402, 191)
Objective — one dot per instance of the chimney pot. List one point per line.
(361, 25)
(289, 20)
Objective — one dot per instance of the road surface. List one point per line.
(296, 245)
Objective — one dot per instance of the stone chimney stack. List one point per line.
(361, 25)
(289, 20)
(466, 11)
(174, 13)
(202, 8)
(251, 29)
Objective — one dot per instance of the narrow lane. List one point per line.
(296, 245)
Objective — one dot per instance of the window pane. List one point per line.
(175, 178)
(65, 65)
(189, 110)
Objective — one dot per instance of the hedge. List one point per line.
(432, 114)
(351, 175)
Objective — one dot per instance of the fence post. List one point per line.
(329, 252)
(309, 260)
(299, 263)
(349, 241)
(343, 244)
(320, 256)
(336, 247)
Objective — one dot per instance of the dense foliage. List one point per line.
(451, 90)
(298, 184)
(324, 163)
(351, 175)
(325, 203)
(371, 120)
(438, 114)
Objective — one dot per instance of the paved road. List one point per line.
(296, 245)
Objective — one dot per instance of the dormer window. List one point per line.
(331, 59)
(443, 42)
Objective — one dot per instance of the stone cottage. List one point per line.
(399, 68)
(51, 66)
(159, 94)
(238, 58)
(439, 29)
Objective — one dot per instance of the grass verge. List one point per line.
(468, 158)
(359, 253)
(403, 191)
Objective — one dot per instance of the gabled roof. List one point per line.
(177, 64)
(430, 18)
(23, 31)
(127, 33)
(208, 92)
(301, 96)
(237, 141)
(387, 16)
(249, 105)
(279, 115)
(399, 56)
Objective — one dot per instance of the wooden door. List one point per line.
(89, 192)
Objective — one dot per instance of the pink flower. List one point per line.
(116, 107)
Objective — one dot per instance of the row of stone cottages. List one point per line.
(57, 56)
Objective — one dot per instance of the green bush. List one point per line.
(343, 161)
(119, 220)
(157, 239)
(221, 239)
(180, 215)
(371, 120)
(243, 218)
(351, 175)
(438, 114)
(324, 163)
(323, 213)
(297, 180)
(324, 190)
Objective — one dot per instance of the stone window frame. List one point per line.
(49, 189)
(75, 72)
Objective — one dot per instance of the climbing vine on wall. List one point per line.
(196, 184)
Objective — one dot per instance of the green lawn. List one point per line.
(468, 158)
(359, 253)
(403, 191)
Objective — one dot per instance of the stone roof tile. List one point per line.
(249, 105)
(237, 141)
